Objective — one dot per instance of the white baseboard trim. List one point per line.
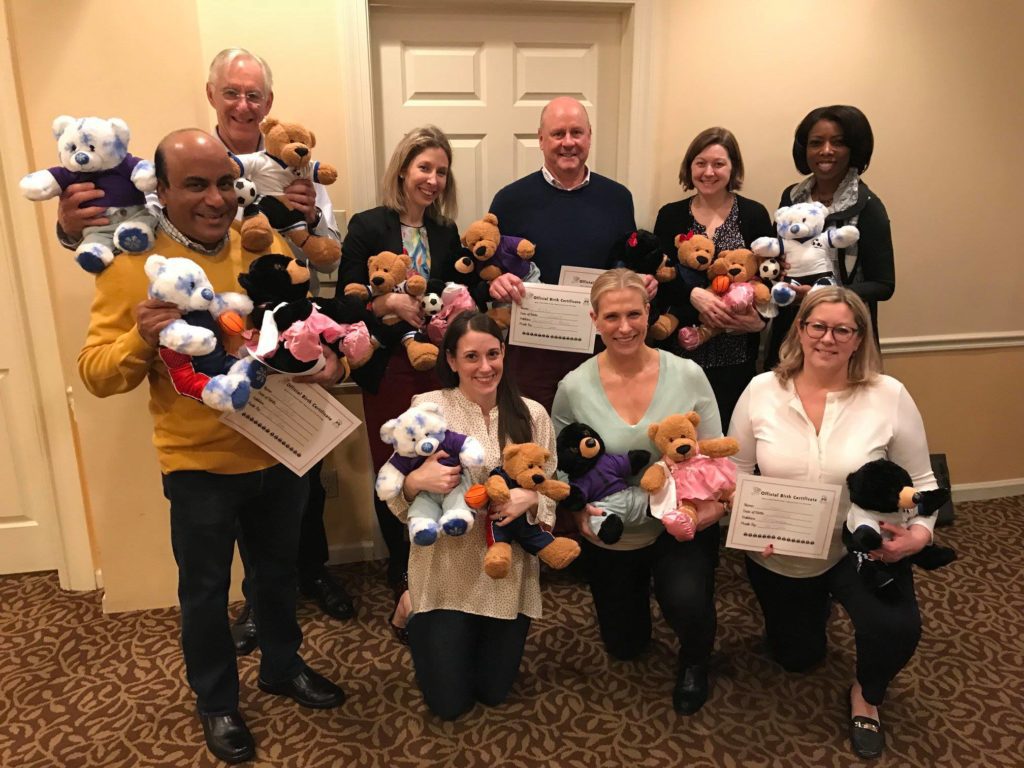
(358, 552)
(952, 342)
(994, 489)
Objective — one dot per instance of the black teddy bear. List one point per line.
(279, 286)
(882, 491)
(602, 479)
(641, 252)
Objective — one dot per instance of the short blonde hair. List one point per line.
(445, 208)
(224, 59)
(865, 363)
(618, 279)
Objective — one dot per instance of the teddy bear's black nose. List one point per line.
(481, 250)
(735, 271)
(378, 280)
(702, 260)
(301, 151)
(590, 443)
(537, 479)
(683, 449)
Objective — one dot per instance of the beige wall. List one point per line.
(940, 82)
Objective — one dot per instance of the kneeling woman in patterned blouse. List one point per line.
(467, 631)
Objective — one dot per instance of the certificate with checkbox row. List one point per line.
(555, 317)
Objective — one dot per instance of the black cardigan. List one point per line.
(379, 229)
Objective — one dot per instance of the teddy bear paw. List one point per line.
(423, 531)
(679, 525)
(134, 237)
(498, 560)
(457, 522)
(559, 553)
(609, 529)
(321, 251)
(94, 257)
(227, 392)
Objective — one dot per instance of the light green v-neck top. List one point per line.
(682, 386)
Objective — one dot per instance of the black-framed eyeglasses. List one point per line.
(840, 333)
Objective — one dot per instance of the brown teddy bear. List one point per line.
(698, 471)
(496, 253)
(285, 157)
(695, 251)
(523, 467)
(389, 273)
(734, 277)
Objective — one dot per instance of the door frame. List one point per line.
(634, 157)
(69, 529)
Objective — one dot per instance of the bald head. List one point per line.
(195, 184)
(564, 138)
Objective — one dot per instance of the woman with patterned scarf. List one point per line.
(834, 145)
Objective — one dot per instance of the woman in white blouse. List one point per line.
(467, 631)
(823, 412)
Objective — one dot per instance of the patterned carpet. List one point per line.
(78, 688)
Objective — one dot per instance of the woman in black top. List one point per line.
(417, 218)
(713, 166)
(834, 145)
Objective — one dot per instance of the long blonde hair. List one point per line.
(865, 363)
(445, 208)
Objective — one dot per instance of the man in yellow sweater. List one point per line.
(216, 480)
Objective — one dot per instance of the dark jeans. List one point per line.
(684, 585)
(312, 549)
(461, 658)
(207, 513)
(796, 611)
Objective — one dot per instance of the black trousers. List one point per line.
(461, 658)
(684, 585)
(796, 611)
(207, 512)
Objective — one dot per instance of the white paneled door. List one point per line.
(28, 525)
(483, 77)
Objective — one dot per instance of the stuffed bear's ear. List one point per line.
(387, 431)
(60, 123)
(652, 432)
(312, 139)
(511, 451)
(693, 417)
(490, 218)
(120, 129)
(430, 408)
(154, 265)
(267, 123)
(406, 261)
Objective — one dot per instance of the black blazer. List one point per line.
(379, 229)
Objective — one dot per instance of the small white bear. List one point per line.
(96, 150)
(804, 242)
(419, 432)
(198, 364)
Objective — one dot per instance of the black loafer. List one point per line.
(330, 595)
(243, 632)
(866, 737)
(228, 737)
(691, 689)
(308, 689)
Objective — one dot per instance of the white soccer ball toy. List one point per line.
(770, 270)
(431, 304)
(245, 192)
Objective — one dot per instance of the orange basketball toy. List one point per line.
(231, 323)
(476, 497)
(720, 284)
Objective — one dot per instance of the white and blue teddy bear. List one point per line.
(805, 244)
(416, 434)
(190, 347)
(96, 150)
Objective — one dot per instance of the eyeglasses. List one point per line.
(840, 333)
(253, 97)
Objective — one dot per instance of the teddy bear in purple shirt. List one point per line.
(96, 150)
(418, 433)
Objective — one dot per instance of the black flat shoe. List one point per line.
(401, 633)
(228, 737)
(866, 735)
(691, 689)
(243, 631)
(307, 689)
(330, 595)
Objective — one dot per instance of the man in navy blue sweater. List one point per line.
(575, 217)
